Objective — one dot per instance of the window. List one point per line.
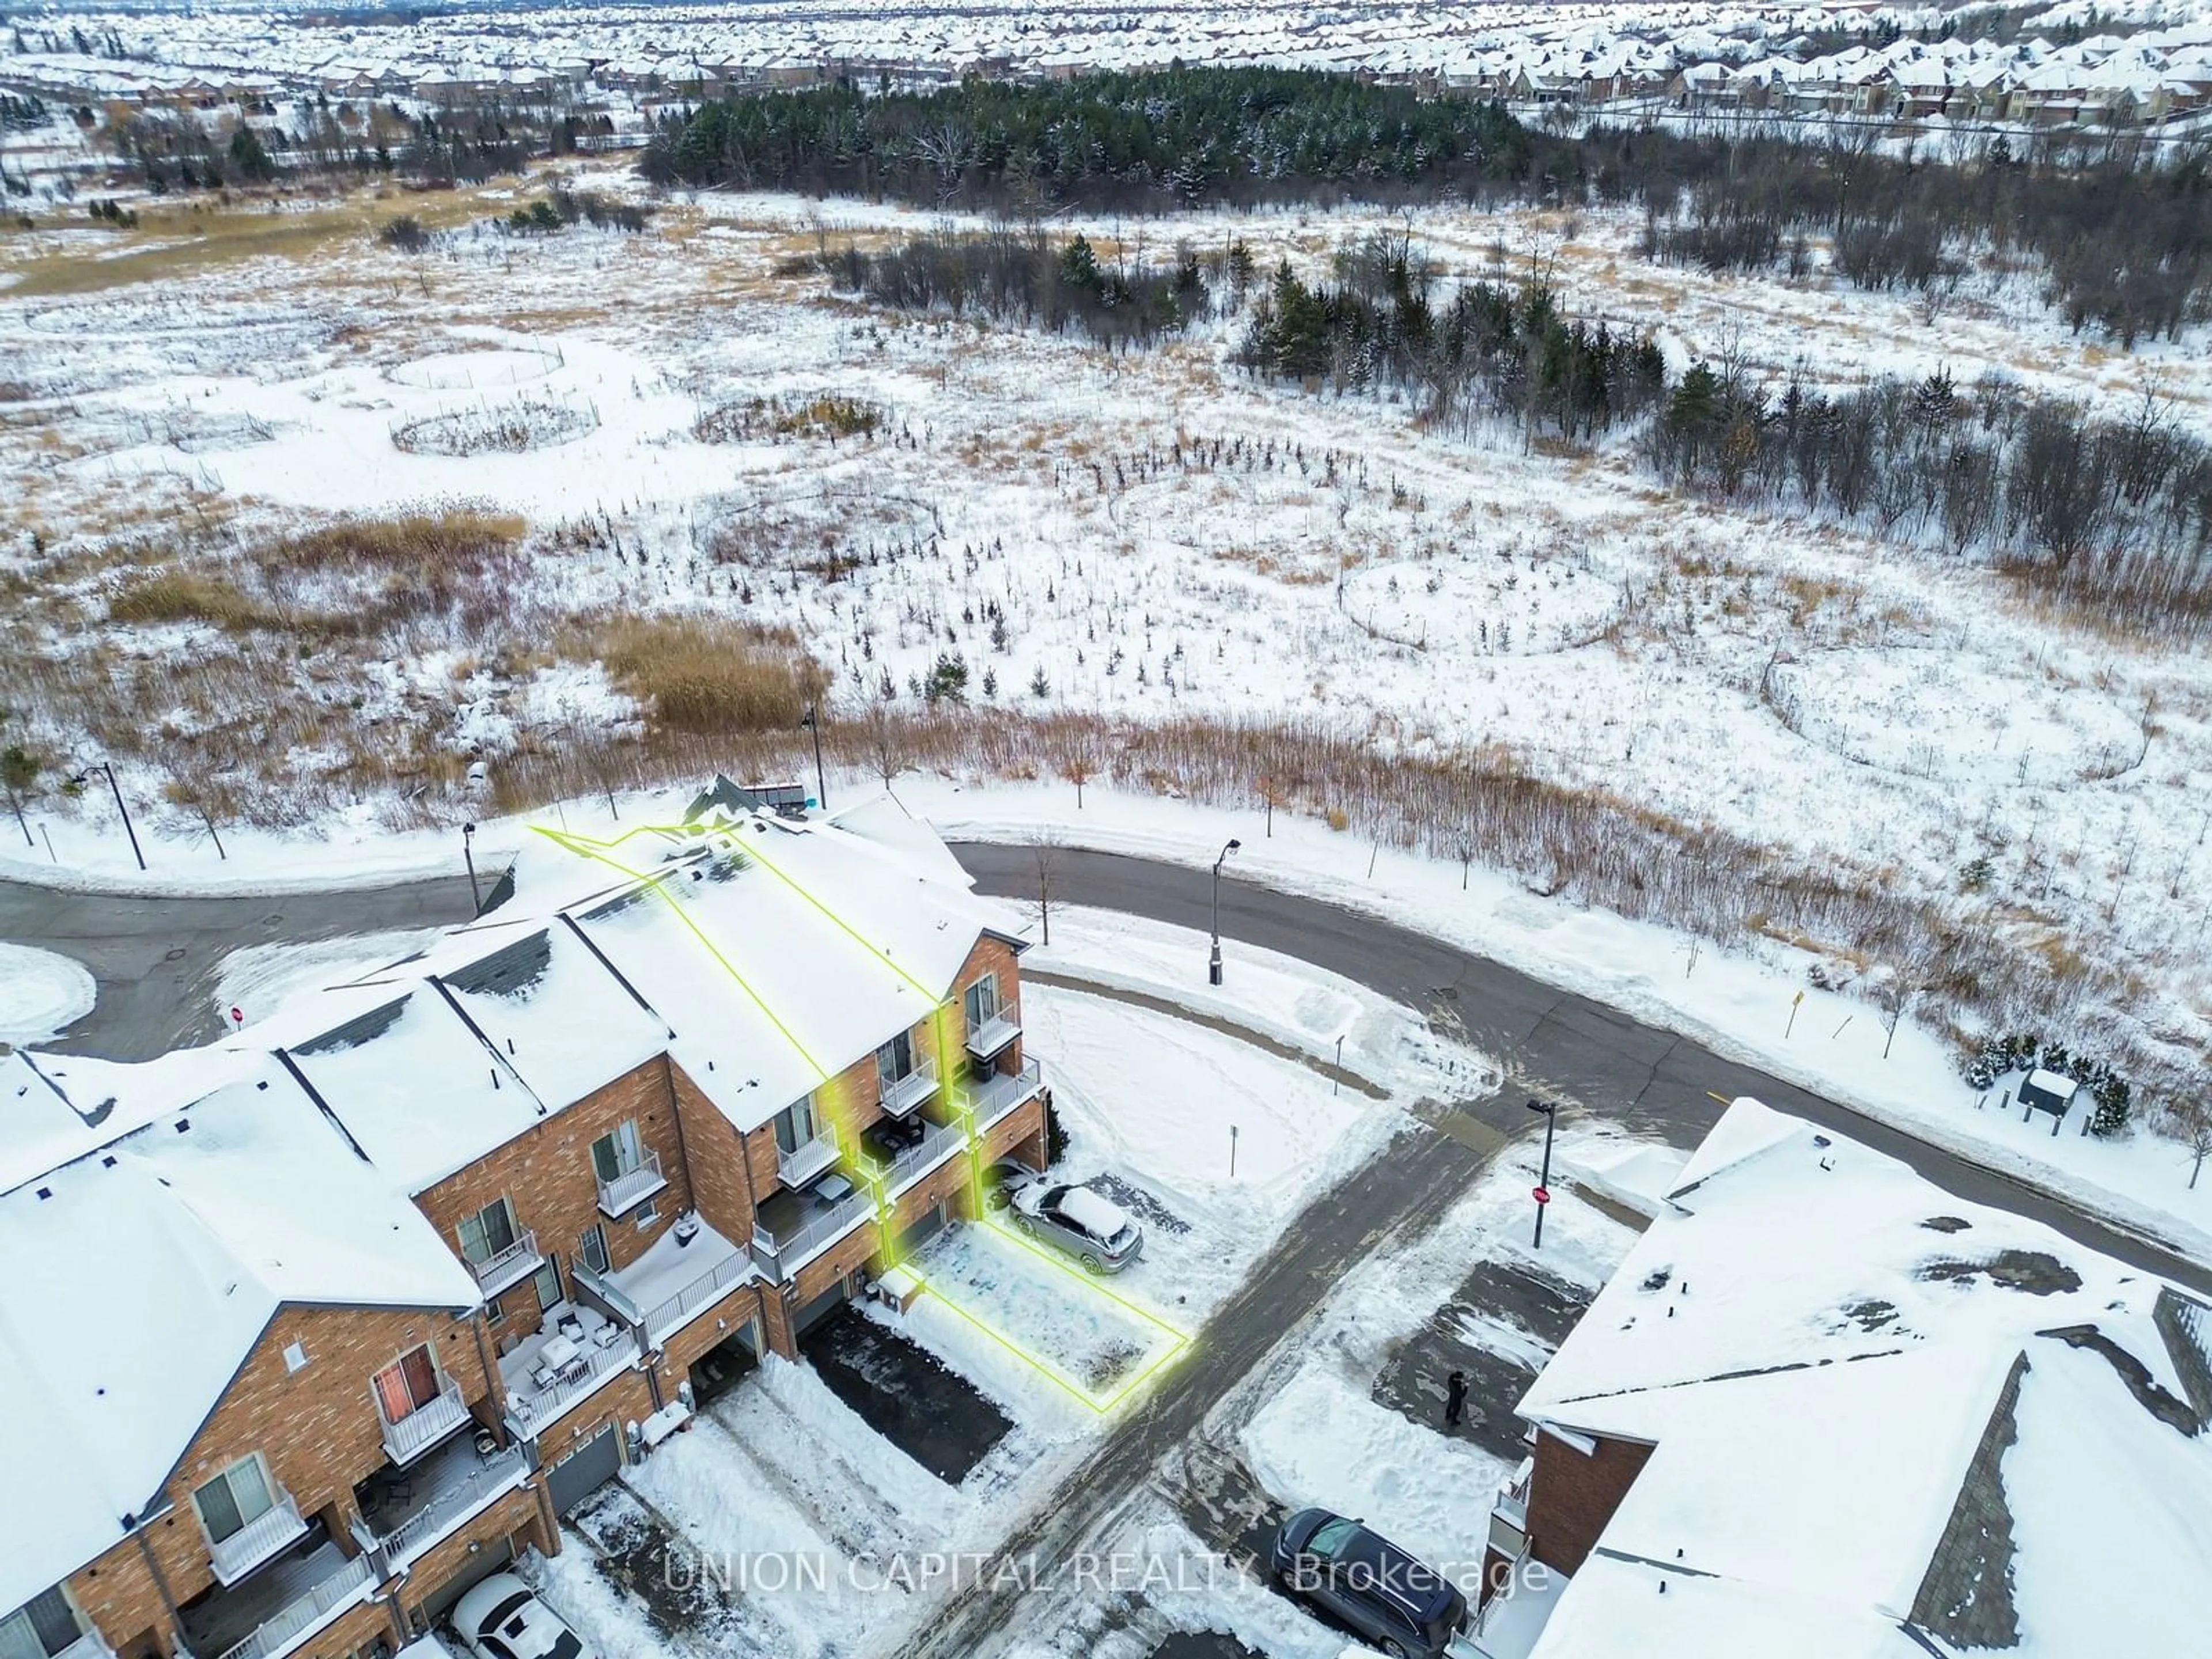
(407, 1385)
(895, 1060)
(547, 1284)
(795, 1126)
(295, 1356)
(592, 1247)
(486, 1232)
(239, 1495)
(42, 1627)
(647, 1216)
(494, 1313)
(614, 1156)
(981, 1001)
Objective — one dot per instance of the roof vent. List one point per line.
(108, 1162)
(183, 1124)
(45, 1192)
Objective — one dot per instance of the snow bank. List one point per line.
(42, 993)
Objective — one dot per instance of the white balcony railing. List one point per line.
(996, 1032)
(995, 1096)
(508, 1268)
(938, 1145)
(910, 1090)
(307, 1613)
(672, 1312)
(782, 1254)
(451, 1505)
(803, 1164)
(528, 1411)
(264, 1536)
(633, 1186)
(426, 1426)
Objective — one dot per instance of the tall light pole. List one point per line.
(469, 853)
(83, 777)
(1543, 1182)
(1214, 964)
(813, 722)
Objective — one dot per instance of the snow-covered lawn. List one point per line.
(42, 993)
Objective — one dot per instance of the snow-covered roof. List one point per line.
(1843, 1371)
(140, 1279)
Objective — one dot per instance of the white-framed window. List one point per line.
(42, 1627)
(796, 1125)
(980, 1002)
(295, 1356)
(407, 1384)
(488, 1232)
(647, 1216)
(895, 1060)
(618, 1152)
(239, 1496)
(494, 1313)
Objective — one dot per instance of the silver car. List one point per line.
(1089, 1226)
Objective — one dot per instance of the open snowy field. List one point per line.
(1147, 535)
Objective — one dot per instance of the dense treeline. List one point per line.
(1377, 326)
(2113, 513)
(2125, 243)
(1146, 142)
(1021, 276)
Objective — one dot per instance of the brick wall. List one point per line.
(723, 1184)
(849, 1255)
(994, 956)
(547, 1173)
(1571, 1497)
(317, 1429)
(1019, 1134)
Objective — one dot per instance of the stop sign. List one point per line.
(1543, 1194)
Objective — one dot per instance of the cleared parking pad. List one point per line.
(1046, 1312)
(906, 1393)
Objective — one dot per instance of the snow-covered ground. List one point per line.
(255, 980)
(42, 993)
(1321, 1437)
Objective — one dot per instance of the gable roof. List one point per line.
(142, 1277)
(1853, 1383)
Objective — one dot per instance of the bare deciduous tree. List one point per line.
(1046, 852)
(1078, 759)
(2188, 1120)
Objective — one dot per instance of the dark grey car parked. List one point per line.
(1394, 1603)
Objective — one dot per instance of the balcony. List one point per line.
(1509, 1514)
(276, 1528)
(579, 1349)
(90, 1645)
(336, 1583)
(509, 1266)
(997, 1096)
(632, 1187)
(909, 1091)
(680, 1276)
(997, 1034)
(408, 1512)
(939, 1144)
(426, 1426)
(790, 1229)
(807, 1162)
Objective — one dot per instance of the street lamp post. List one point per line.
(469, 853)
(1543, 1182)
(1213, 964)
(813, 722)
(81, 778)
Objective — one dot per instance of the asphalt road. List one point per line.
(1556, 1045)
(154, 959)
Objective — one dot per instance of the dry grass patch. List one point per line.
(704, 676)
(175, 596)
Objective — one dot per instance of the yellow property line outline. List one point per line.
(874, 1176)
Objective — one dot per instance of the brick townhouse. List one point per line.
(472, 1231)
(1823, 1406)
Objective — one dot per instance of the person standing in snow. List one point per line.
(1454, 1398)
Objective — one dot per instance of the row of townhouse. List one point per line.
(305, 1332)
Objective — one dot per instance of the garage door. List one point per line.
(821, 1308)
(585, 1470)
(474, 1570)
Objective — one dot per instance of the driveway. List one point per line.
(906, 1393)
